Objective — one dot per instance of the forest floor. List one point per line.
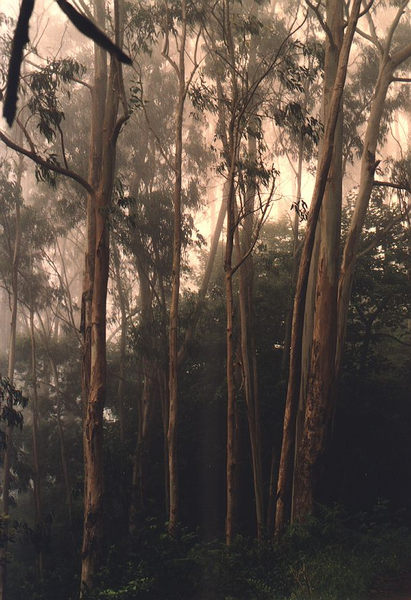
(397, 588)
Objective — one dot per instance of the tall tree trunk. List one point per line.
(287, 451)
(144, 402)
(63, 452)
(206, 280)
(272, 492)
(247, 339)
(368, 165)
(231, 401)
(10, 375)
(295, 228)
(123, 341)
(164, 397)
(104, 162)
(320, 383)
(36, 459)
(175, 284)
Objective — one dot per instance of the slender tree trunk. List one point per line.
(175, 286)
(368, 166)
(164, 397)
(231, 401)
(296, 226)
(247, 338)
(63, 452)
(144, 404)
(389, 62)
(272, 491)
(206, 280)
(36, 458)
(231, 404)
(320, 382)
(287, 452)
(123, 341)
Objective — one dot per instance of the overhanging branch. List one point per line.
(46, 163)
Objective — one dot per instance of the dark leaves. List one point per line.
(11, 401)
(21, 38)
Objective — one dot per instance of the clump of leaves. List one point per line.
(12, 402)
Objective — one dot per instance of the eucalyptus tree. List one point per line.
(318, 396)
(324, 164)
(107, 91)
(248, 51)
(393, 53)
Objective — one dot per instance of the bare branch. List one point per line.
(402, 54)
(394, 26)
(374, 36)
(402, 79)
(366, 8)
(157, 139)
(63, 148)
(316, 10)
(396, 186)
(392, 337)
(379, 237)
(368, 37)
(261, 222)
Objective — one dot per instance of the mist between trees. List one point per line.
(205, 270)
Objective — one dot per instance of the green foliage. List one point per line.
(12, 402)
(333, 557)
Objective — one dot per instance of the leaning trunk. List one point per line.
(36, 461)
(247, 338)
(286, 463)
(231, 402)
(319, 398)
(122, 296)
(368, 166)
(175, 288)
(144, 404)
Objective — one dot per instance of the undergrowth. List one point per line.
(331, 557)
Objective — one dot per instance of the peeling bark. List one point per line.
(318, 398)
(287, 452)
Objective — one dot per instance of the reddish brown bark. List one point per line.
(319, 398)
(287, 452)
(102, 171)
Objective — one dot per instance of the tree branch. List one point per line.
(323, 24)
(392, 337)
(396, 186)
(381, 234)
(402, 79)
(374, 35)
(46, 163)
(366, 8)
(394, 26)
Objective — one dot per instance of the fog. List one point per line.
(204, 299)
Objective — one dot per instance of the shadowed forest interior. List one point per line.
(205, 324)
